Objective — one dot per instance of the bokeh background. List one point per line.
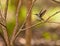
(48, 31)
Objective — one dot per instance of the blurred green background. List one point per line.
(45, 4)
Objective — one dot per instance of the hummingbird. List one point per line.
(41, 14)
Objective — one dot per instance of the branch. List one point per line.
(3, 24)
(38, 23)
(53, 22)
(56, 1)
(25, 18)
(52, 15)
(17, 22)
(1, 19)
(28, 32)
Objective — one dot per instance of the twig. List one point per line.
(17, 22)
(1, 19)
(53, 22)
(39, 23)
(1, 16)
(52, 15)
(25, 18)
(6, 9)
(56, 1)
(3, 25)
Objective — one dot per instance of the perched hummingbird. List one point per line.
(41, 14)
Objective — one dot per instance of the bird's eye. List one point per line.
(56, 1)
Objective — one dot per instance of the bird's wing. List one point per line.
(42, 13)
